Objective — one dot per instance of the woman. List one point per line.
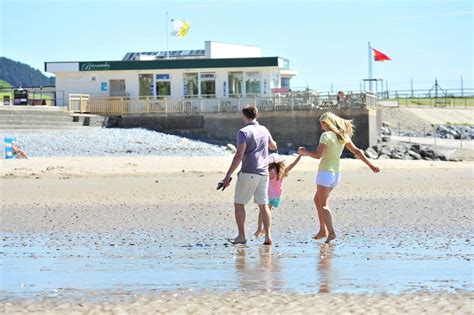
(337, 135)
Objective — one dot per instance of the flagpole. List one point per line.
(167, 35)
(370, 68)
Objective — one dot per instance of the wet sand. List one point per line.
(148, 234)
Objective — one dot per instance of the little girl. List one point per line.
(277, 170)
(337, 135)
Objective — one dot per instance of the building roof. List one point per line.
(167, 64)
(197, 53)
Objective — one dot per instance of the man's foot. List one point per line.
(267, 242)
(330, 238)
(259, 233)
(237, 240)
(320, 235)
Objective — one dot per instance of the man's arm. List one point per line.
(238, 156)
(272, 145)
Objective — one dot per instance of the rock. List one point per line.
(415, 147)
(231, 147)
(371, 153)
(386, 139)
(398, 156)
(385, 151)
(384, 157)
(414, 155)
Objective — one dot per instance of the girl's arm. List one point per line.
(289, 167)
(361, 156)
(314, 154)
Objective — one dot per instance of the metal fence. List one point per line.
(110, 106)
(450, 98)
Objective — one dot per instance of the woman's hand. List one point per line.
(374, 168)
(302, 151)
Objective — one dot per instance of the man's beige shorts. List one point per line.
(249, 185)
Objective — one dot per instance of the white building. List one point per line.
(220, 70)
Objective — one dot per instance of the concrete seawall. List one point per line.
(289, 128)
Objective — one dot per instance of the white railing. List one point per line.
(110, 106)
(79, 103)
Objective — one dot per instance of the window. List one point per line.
(163, 85)
(252, 83)
(236, 81)
(145, 82)
(163, 88)
(285, 83)
(208, 84)
(190, 84)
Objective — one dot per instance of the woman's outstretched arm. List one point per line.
(314, 154)
(361, 156)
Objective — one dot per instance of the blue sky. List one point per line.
(325, 41)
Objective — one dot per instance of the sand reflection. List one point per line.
(324, 268)
(258, 269)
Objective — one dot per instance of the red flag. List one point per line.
(380, 56)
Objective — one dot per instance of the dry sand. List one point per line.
(61, 196)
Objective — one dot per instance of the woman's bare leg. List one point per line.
(322, 226)
(323, 196)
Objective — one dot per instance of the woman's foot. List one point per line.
(320, 235)
(237, 240)
(330, 238)
(259, 233)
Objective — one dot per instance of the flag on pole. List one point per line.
(380, 56)
(180, 28)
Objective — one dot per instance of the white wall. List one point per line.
(82, 82)
(225, 50)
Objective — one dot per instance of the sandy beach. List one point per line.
(147, 234)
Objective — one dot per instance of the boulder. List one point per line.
(371, 153)
(414, 155)
(231, 147)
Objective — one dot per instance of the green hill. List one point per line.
(18, 74)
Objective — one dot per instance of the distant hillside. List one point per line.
(18, 74)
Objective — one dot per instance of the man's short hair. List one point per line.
(250, 111)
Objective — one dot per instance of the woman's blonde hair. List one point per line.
(280, 169)
(343, 128)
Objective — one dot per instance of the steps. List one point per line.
(44, 118)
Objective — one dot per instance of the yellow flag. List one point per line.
(180, 28)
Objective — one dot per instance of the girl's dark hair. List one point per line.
(250, 111)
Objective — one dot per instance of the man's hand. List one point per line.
(227, 180)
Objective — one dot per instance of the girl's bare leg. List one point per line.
(322, 226)
(323, 196)
(260, 228)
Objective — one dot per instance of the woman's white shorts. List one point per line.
(328, 179)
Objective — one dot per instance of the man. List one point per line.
(253, 142)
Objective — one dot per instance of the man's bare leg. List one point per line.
(240, 220)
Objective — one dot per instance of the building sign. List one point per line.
(208, 76)
(162, 77)
(93, 66)
(280, 90)
(103, 86)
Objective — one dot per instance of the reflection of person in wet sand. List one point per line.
(253, 142)
(337, 135)
(262, 276)
(324, 268)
